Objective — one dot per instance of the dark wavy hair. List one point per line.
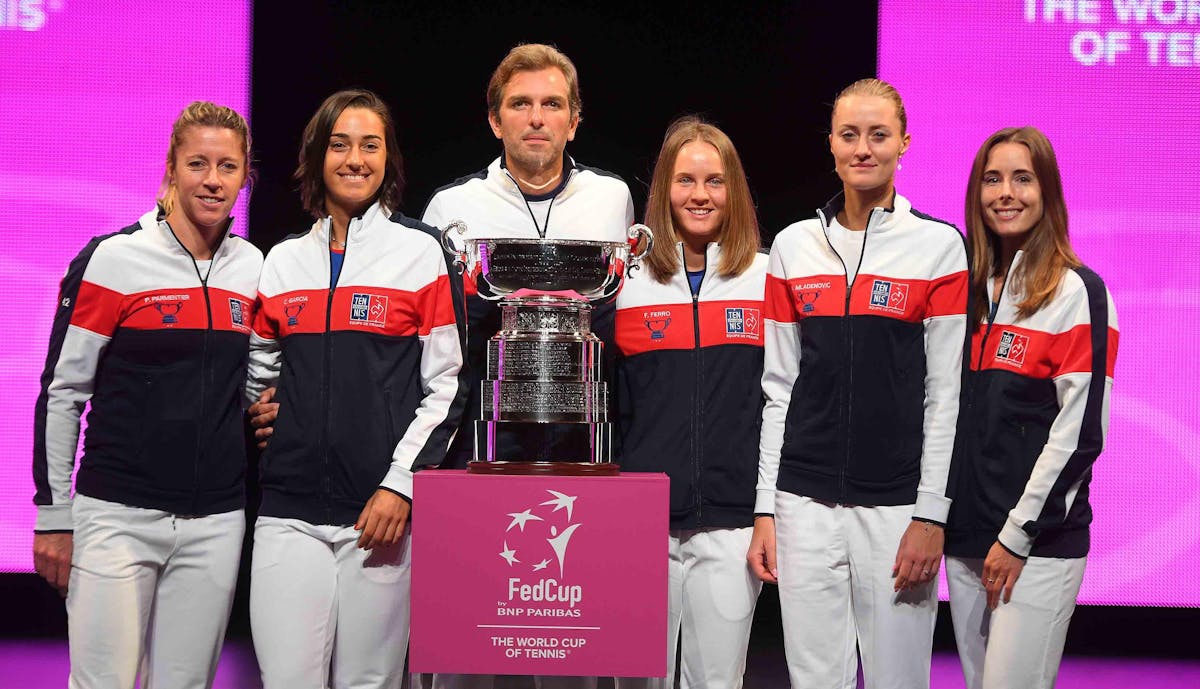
(310, 172)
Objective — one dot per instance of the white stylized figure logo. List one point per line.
(559, 543)
(558, 539)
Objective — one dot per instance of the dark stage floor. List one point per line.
(42, 664)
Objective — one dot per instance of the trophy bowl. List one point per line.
(515, 268)
(544, 402)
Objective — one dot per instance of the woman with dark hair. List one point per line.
(689, 339)
(865, 322)
(1035, 415)
(152, 329)
(357, 328)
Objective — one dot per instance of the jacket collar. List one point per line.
(155, 222)
(1020, 255)
(881, 219)
(498, 171)
(360, 226)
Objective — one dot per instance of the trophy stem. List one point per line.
(544, 401)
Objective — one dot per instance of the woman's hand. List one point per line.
(262, 417)
(761, 555)
(1001, 569)
(919, 555)
(382, 520)
(52, 558)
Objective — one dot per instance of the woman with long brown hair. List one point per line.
(1035, 414)
(689, 335)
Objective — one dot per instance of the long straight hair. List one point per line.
(1047, 250)
(739, 237)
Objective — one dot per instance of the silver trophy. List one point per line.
(544, 401)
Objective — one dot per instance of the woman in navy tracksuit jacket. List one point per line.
(689, 334)
(357, 327)
(152, 330)
(1034, 418)
(862, 363)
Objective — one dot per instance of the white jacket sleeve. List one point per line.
(443, 380)
(781, 365)
(1083, 383)
(87, 316)
(262, 371)
(945, 329)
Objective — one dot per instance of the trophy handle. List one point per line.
(635, 233)
(459, 255)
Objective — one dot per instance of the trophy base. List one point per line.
(542, 443)
(544, 468)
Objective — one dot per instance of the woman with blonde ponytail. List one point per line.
(152, 329)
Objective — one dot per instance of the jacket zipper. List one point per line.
(697, 387)
(848, 330)
(987, 332)
(327, 369)
(204, 368)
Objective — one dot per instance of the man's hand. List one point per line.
(1001, 569)
(382, 520)
(919, 555)
(52, 558)
(761, 555)
(262, 417)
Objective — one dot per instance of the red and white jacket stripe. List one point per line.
(687, 388)
(369, 372)
(1035, 417)
(862, 379)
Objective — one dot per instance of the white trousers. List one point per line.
(835, 588)
(151, 588)
(325, 613)
(711, 598)
(1020, 643)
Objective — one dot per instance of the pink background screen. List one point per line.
(89, 92)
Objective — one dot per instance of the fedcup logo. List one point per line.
(657, 322)
(657, 327)
(292, 311)
(808, 300)
(535, 545)
(292, 306)
(169, 311)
